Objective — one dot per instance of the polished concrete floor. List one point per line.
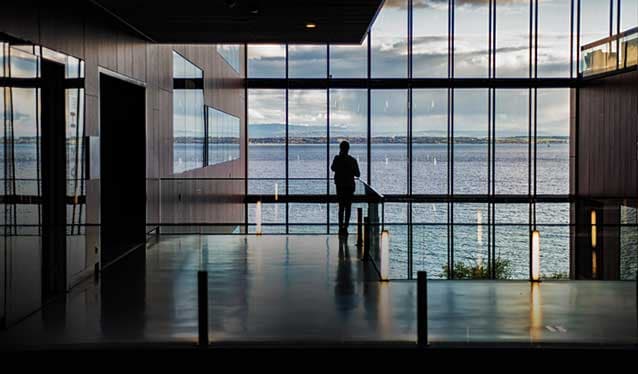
(310, 288)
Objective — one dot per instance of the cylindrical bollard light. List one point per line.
(384, 260)
(422, 309)
(202, 307)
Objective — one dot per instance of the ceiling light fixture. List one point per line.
(311, 25)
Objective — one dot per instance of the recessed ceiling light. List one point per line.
(311, 25)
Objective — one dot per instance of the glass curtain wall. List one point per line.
(468, 167)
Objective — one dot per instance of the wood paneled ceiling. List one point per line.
(250, 21)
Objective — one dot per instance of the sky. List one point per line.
(430, 44)
(389, 59)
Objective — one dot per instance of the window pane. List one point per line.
(266, 61)
(429, 141)
(430, 39)
(595, 26)
(512, 39)
(230, 53)
(24, 64)
(628, 242)
(3, 51)
(389, 41)
(223, 137)
(349, 61)
(24, 104)
(313, 216)
(307, 149)
(470, 240)
(430, 241)
(552, 158)
(512, 142)
(273, 218)
(396, 218)
(594, 20)
(307, 61)
(429, 213)
(388, 143)
(554, 239)
(188, 129)
(266, 141)
(554, 38)
(628, 14)
(512, 241)
(470, 141)
(471, 39)
(349, 121)
(182, 68)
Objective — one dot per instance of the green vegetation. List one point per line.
(556, 276)
(479, 270)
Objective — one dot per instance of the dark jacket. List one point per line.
(346, 168)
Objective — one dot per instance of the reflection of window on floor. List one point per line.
(628, 242)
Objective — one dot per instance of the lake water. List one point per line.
(470, 235)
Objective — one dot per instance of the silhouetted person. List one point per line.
(346, 168)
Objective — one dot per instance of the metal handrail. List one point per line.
(609, 39)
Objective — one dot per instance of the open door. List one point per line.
(122, 167)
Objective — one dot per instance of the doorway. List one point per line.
(122, 167)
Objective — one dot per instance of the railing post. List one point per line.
(422, 309)
(359, 227)
(202, 307)
(366, 240)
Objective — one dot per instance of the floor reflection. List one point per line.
(315, 288)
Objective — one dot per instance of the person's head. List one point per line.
(344, 147)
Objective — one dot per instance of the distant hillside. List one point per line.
(275, 134)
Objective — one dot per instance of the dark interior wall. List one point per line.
(606, 167)
(607, 137)
(81, 29)
(208, 201)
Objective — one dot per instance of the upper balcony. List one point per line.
(616, 52)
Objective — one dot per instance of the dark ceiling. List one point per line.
(252, 21)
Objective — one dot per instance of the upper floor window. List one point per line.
(230, 53)
(188, 115)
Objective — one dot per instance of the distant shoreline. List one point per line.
(353, 140)
(403, 140)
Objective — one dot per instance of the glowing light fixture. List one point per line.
(311, 25)
(385, 254)
(594, 235)
(276, 191)
(258, 218)
(594, 230)
(536, 256)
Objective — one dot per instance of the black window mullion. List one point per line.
(327, 140)
(286, 148)
(409, 142)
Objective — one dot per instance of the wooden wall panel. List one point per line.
(81, 29)
(607, 136)
(62, 29)
(20, 19)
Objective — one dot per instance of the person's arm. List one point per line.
(332, 167)
(357, 173)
